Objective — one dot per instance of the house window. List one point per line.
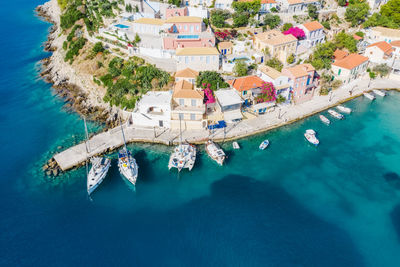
(192, 58)
(181, 102)
(186, 60)
(192, 116)
(208, 59)
(193, 102)
(339, 71)
(181, 116)
(244, 92)
(197, 27)
(185, 27)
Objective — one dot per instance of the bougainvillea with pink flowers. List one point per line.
(225, 35)
(268, 93)
(296, 32)
(209, 97)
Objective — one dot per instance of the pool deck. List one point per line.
(107, 141)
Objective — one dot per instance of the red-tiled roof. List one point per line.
(351, 61)
(246, 83)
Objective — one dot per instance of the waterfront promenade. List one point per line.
(112, 139)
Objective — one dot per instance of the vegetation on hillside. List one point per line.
(388, 16)
(213, 78)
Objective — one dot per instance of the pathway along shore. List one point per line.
(110, 140)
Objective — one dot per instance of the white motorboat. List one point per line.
(311, 137)
(264, 144)
(97, 173)
(127, 165)
(235, 145)
(215, 152)
(324, 119)
(379, 92)
(183, 157)
(335, 114)
(369, 96)
(344, 109)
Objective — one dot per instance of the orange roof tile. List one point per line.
(300, 70)
(293, 2)
(246, 83)
(268, 2)
(340, 54)
(187, 73)
(358, 38)
(184, 89)
(351, 61)
(395, 43)
(274, 37)
(384, 46)
(313, 26)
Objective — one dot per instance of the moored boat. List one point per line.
(97, 173)
(311, 137)
(335, 114)
(324, 119)
(235, 145)
(264, 144)
(379, 92)
(344, 109)
(183, 157)
(369, 96)
(127, 165)
(215, 152)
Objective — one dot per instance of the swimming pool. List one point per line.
(188, 37)
(122, 26)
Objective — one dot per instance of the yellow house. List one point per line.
(225, 48)
(188, 108)
(279, 45)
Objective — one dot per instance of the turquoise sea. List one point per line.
(290, 205)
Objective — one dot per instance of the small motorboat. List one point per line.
(215, 152)
(335, 114)
(379, 92)
(97, 173)
(235, 145)
(344, 109)
(324, 119)
(311, 137)
(369, 96)
(264, 144)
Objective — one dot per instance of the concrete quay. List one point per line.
(112, 139)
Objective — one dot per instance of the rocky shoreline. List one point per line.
(66, 82)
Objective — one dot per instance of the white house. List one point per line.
(223, 4)
(149, 26)
(314, 32)
(376, 4)
(298, 6)
(350, 67)
(380, 52)
(153, 110)
(266, 5)
(230, 103)
(198, 2)
(396, 48)
(199, 58)
(279, 80)
(377, 34)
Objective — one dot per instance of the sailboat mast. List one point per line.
(122, 131)
(87, 144)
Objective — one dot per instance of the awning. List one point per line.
(233, 115)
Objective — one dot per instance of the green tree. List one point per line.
(274, 63)
(97, 48)
(357, 13)
(342, 2)
(137, 39)
(322, 56)
(286, 26)
(392, 10)
(382, 69)
(290, 59)
(218, 17)
(326, 25)
(272, 21)
(372, 75)
(361, 34)
(312, 12)
(175, 2)
(115, 66)
(344, 40)
(250, 7)
(240, 68)
(211, 77)
(240, 19)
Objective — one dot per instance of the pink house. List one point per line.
(176, 11)
(186, 31)
(303, 80)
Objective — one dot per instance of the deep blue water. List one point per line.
(290, 205)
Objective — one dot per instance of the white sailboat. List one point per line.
(126, 162)
(183, 156)
(344, 109)
(335, 114)
(99, 169)
(215, 152)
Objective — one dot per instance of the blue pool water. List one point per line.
(188, 37)
(290, 205)
(122, 26)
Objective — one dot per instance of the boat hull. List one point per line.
(128, 167)
(212, 151)
(95, 179)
